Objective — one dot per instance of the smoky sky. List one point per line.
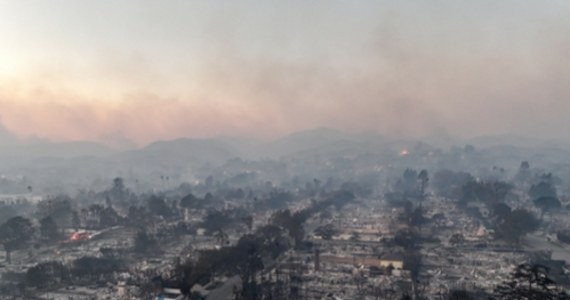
(148, 70)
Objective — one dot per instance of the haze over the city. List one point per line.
(284, 150)
(127, 71)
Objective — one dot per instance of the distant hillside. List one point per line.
(505, 140)
(179, 152)
(331, 142)
(303, 141)
(6, 137)
(80, 163)
(67, 149)
(45, 149)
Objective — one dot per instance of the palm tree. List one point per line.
(423, 178)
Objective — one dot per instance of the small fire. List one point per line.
(404, 152)
(80, 236)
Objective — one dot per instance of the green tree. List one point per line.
(138, 216)
(542, 189)
(119, 195)
(563, 236)
(75, 220)
(489, 192)
(523, 175)
(157, 206)
(93, 267)
(15, 234)
(7, 212)
(108, 217)
(519, 223)
(94, 215)
(500, 211)
(407, 185)
(144, 243)
(406, 239)
(547, 204)
(249, 267)
(49, 229)
(448, 183)
(248, 222)
(423, 179)
(59, 208)
(326, 232)
(46, 274)
(459, 295)
(221, 237)
(456, 239)
(216, 220)
(190, 201)
(530, 282)
(293, 223)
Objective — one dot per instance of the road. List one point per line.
(559, 252)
